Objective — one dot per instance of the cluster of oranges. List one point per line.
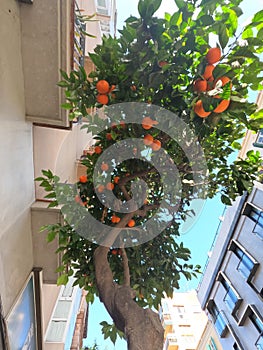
(104, 89)
(155, 144)
(207, 83)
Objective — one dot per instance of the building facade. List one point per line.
(38, 38)
(231, 290)
(183, 321)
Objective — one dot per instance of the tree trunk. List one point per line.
(142, 327)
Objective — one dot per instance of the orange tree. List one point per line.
(158, 83)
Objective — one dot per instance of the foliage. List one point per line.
(157, 61)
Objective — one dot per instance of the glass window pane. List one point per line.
(259, 343)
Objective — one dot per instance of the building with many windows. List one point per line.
(183, 321)
(231, 290)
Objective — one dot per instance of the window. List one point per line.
(259, 140)
(219, 319)
(102, 7)
(257, 321)
(232, 298)
(256, 215)
(247, 265)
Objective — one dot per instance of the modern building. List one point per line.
(183, 321)
(231, 290)
(38, 38)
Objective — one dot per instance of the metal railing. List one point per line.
(211, 248)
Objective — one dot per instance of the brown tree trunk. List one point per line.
(142, 327)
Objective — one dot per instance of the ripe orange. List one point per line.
(147, 123)
(100, 188)
(83, 179)
(224, 80)
(104, 167)
(115, 219)
(110, 186)
(97, 149)
(116, 179)
(213, 55)
(223, 105)
(108, 136)
(131, 223)
(114, 251)
(162, 63)
(208, 73)
(148, 140)
(103, 86)
(199, 110)
(200, 85)
(156, 145)
(122, 124)
(133, 88)
(102, 99)
(113, 87)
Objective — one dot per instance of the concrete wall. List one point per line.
(16, 159)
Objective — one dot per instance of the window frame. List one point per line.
(258, 142)
(232, 299)
(243, 255)
(219, 319)
(255, 214)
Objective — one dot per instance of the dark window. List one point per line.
(259, 140)
(258, 323)
(219, 319)
(232, 298)
(247, 265)
(256, 215)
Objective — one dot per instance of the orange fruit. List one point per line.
(115, 219)
(108, 136)
(133, 88)
(100, 188)
(110, 186)
(131, 223)
(116, 179)
(97, 149)
(213, 55)
(208, 73)
(113, 87)
(223, 105)
(162, 63)
(104, 167)
(199, 110)
(102, 99)
(200, 85)
(103, 86)
(114, 251)
(148, 140)
(156, 145)
(147, 123)
(122, 124)
(224, 80)
(83, 179)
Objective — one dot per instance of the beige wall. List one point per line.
(16, 185)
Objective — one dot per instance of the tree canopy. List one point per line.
(160, 81)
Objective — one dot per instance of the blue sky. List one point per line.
(201, 235)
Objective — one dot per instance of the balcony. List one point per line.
(171, 342)
(48, 44)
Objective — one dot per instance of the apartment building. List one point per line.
(38, 38)
(209, 339)
(231, 290)
(183, 321)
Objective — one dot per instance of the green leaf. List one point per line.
(225, 200)
(63, 83)
(180, 3)
(223, 36)
(66, 105)
(62, 280)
